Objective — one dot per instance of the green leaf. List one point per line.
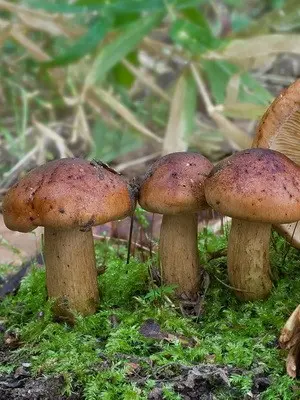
(219, 73)
(111, 144)
(123, 44)
(196, 17)
(121, 74)
(84, 45)
(194, 37)
(120, 6)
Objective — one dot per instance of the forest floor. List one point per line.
(141, 344)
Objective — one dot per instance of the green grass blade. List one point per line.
(115, 51)
(84, 45)
(121, 6)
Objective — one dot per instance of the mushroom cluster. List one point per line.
(257, 187)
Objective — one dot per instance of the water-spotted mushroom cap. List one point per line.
(174, 184)
(66, 193)
(256, 185)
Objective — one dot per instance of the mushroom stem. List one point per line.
(248, 259)
(178, 251)
(71, 273)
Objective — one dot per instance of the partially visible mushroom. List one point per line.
(290, 340)
(279, 129)
(173, 186)
(257, 188)
(68, 197)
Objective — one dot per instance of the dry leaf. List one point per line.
(58, 141)
(235, 136)
(243, 110)
(146, 79)
(125, 113)
(54, 24)
(178, 124)
(80, 126)
(254, 51)
(232, 89)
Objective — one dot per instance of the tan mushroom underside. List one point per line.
(279, 129)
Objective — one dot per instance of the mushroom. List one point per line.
(257, 188)
(68, 197)
(279, 129)
(173, 186)
(290, 339)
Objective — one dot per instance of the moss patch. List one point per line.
(107, 356)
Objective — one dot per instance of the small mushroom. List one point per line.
(257, 188)
(68, 197)
(279, 129)
(173, 186)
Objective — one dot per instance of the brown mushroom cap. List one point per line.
(174, 184)
(67, 193)
(256, 185)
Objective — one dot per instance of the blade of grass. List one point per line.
(116, 50)
(126, 114)
(55, 25)
(246, 52)
(120, 6)
(146, 80)
(238, 138)
(84, 45)
(182, 115)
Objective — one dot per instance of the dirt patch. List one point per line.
(21, 385)
(203, 382)
(28, 388)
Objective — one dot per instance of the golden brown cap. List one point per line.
(256, 185)
(279, 127)
(174, 184)
(67, 193)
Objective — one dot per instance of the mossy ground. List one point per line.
(100, 352)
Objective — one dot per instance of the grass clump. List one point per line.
(107, 355)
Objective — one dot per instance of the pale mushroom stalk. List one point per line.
(71, 272)
(178, 251)
(248, 259)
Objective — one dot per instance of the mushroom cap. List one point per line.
(174, 184)
(256, 185)
(279, 127)
(66, 193)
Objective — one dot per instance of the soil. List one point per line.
(21, 385)
(28, 388)
(202, 381)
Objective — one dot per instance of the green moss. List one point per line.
(98, 352)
